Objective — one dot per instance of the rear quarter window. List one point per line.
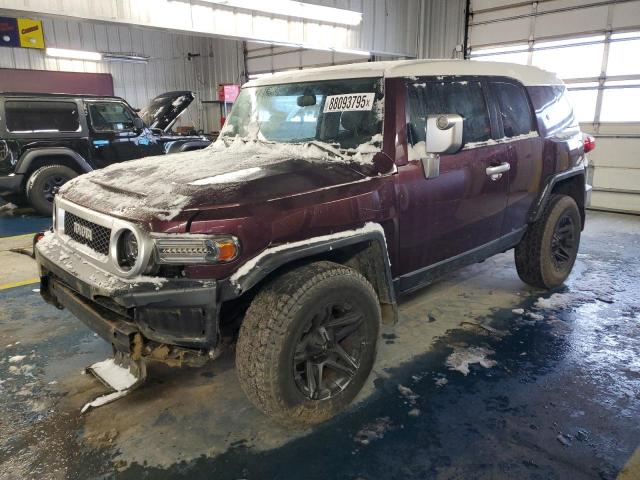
(40, 117)
(513, 109)
(552, 107)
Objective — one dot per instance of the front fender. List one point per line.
(30, 156)
(370, 236)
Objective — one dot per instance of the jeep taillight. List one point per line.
(588, 143)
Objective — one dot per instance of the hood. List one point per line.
(163, 111)
(244, 173)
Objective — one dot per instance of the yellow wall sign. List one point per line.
(30, 32)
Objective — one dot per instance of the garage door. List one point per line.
(265, 59)
(593, 46)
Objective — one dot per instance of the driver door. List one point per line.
(462, 207)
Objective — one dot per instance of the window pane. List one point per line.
(571, 62)
(513, 109)
(42, 116)
(618, 105)
(583, 103)
(110, 117)
(624, 58)
(463, 98)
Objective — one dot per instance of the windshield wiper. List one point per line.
(325, 148)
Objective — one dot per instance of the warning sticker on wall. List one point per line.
(30, 32)
(350, 102)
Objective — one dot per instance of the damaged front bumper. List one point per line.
(169, 320)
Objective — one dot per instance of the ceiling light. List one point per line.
(74, 54)
(126, 57)
(289, 8)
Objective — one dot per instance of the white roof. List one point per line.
(412, 68)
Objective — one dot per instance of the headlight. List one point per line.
(127, 250)
(186, 249)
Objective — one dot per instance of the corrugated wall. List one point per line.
(220, 61)
(441, 27)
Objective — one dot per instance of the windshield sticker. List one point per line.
(350, 102)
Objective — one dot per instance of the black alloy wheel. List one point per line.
(328, 354)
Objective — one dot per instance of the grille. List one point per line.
(88, 233)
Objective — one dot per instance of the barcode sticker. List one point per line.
(349, 102)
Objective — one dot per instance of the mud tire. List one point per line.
(269, 336)
(534, 256)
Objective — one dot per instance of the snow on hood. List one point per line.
(164, 186)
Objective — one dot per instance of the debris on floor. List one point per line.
(461, 358)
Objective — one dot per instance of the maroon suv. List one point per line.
(329, 193)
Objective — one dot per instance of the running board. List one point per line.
(121, 374)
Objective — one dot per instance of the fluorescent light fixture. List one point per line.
(289, 8)
(125, 57)
(74, 54)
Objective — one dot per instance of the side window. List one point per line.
(466, 98)
(110, 116)
(513, 108)
(37, 117)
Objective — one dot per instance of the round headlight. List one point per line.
(127, 250)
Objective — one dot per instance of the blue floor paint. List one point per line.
(23, 224)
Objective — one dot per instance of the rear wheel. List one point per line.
(546, 254)
(308, 342)
(43, 184)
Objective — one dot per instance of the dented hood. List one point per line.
(163, 187)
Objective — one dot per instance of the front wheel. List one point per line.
(308, 342)
(546, 254)
(43, 184)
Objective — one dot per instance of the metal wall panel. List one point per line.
(441, 27)
(220, 61)
(388, 27)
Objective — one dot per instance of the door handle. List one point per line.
(498, 169)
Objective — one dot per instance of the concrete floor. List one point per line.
(552, 389)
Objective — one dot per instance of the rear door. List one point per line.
(463, 207)
(518, 131)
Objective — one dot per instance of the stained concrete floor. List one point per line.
(552, 389)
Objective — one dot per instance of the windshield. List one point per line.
(344, 114)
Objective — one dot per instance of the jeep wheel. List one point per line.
(546, 254)
(44, 183)
(308, 342)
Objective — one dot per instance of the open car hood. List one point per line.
(163, 111)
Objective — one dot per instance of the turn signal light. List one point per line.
(588, 143)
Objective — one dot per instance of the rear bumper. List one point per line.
(10, 184)
(181, 314)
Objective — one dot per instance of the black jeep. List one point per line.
(47, 139)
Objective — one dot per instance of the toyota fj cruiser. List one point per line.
(329, 193)
(47, 139)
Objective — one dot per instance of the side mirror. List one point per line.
(444, 133)
(138, 124)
